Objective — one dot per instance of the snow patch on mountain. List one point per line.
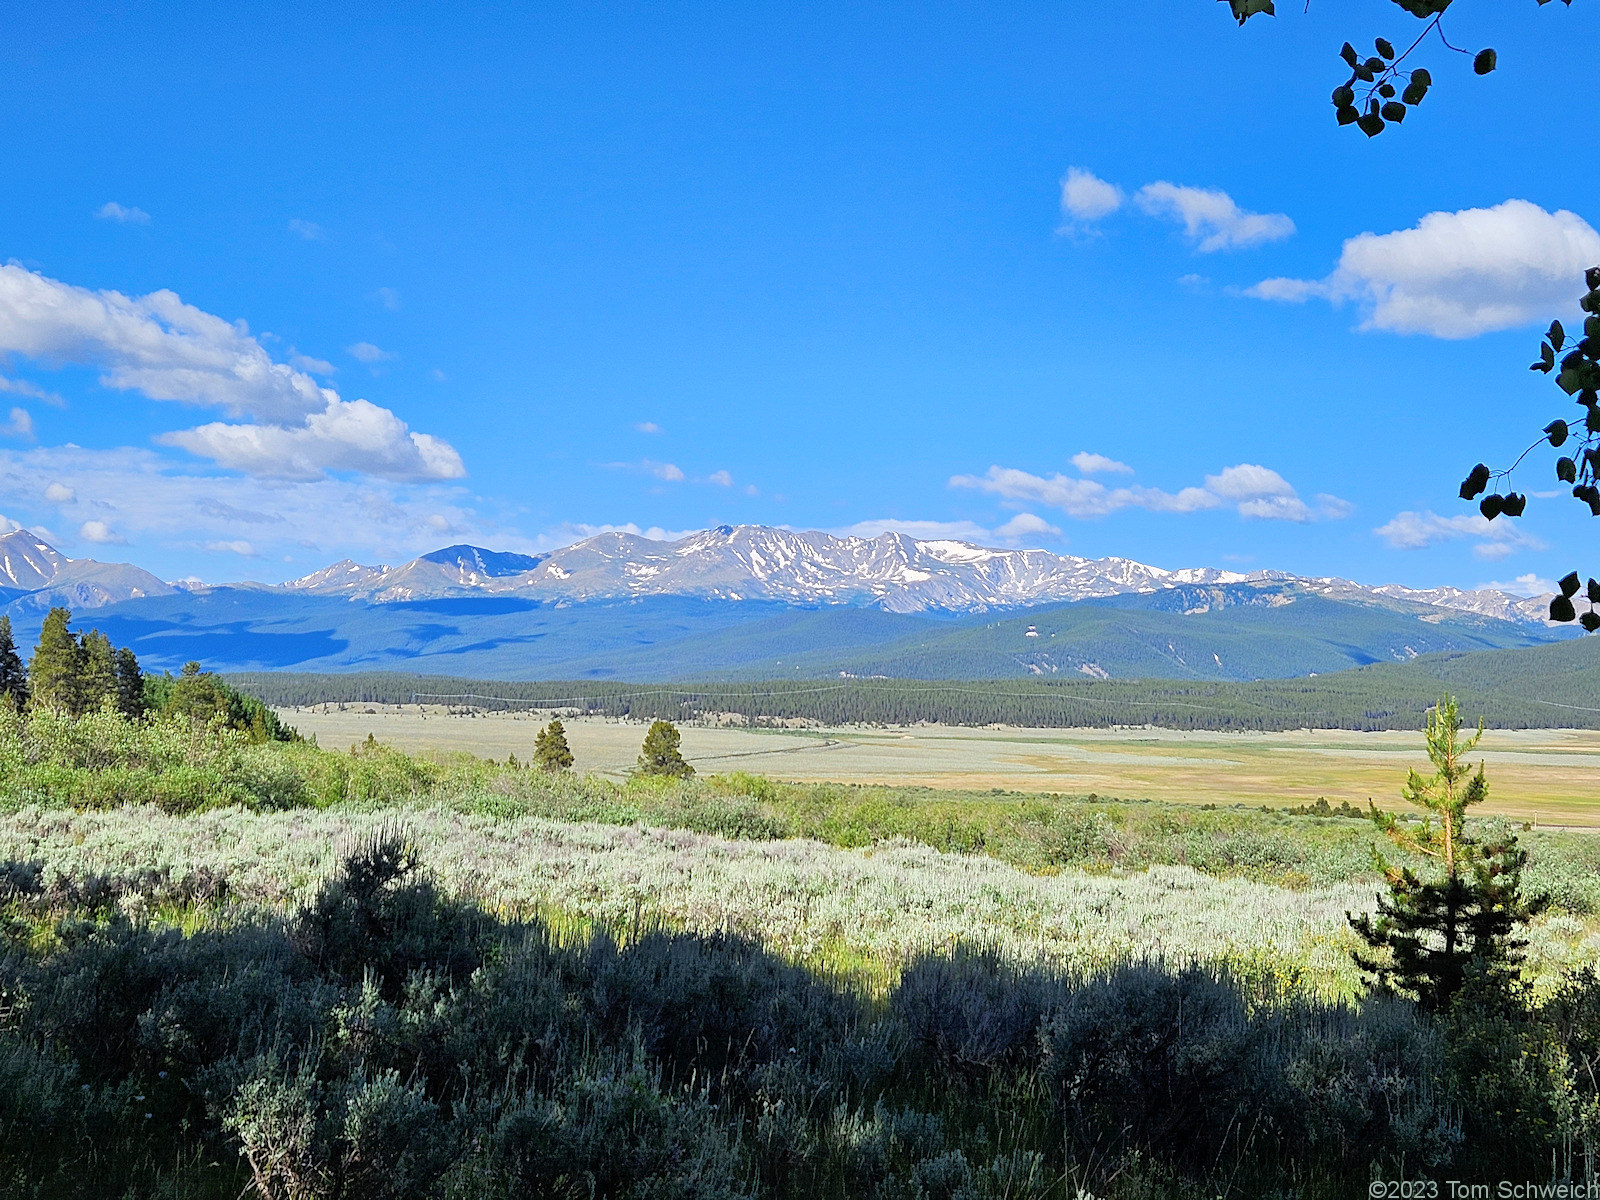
(894, 571)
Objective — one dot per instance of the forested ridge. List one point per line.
(1555, 686)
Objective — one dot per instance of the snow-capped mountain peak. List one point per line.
(894, 571)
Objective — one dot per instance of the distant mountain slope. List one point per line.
(1249, 631)
(35, 576)
(1226, 631)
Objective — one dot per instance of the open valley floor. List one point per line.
(1543, 776)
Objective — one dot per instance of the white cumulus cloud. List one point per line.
(1210, 217)
(59, 493)
(720, 478)
(1419, 530)
(1457, 274)
(1026, 525)
(154, 344)
(348, 435)
(1087, 197)
(101, 533)
(169, 350)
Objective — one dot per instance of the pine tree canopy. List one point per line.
(660, 754)
(13, 679)
(550, 749)
(55, 670)
(1432, 936)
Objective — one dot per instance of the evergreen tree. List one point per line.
(1431, 936)
(550, 749)
(13, 679)
(660, 754)
(54, 671)
(130, 684)
(97, 676)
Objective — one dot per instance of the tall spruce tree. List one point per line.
(13, 679)
(55, 669)
(550, 749)
(1430, 936)
(97, 678)
(130, 684)
(660, 754)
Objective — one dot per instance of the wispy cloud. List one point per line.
(1457, 274)
(388, 298)
(1523, 585)
(1420, 530)
(19, 424)
(21, 387)
(1211, 219)
(309, 230)
(237, 546)
(647, 427)
(368, 353)
(720, 478)
(1099, 464)
(311, 366)
(122, 214)
(1019, 529)
(1256, 492)
(141, 493)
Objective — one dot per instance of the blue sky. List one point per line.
(285, 285)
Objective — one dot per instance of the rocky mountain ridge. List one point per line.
(894, 573)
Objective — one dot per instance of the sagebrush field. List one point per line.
(237, 963)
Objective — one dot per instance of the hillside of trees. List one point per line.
(1554, 686)
(77, 674)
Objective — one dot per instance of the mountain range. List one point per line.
(759, 602)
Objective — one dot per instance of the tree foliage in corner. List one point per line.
(1369, 100)
(1431, 937)
(1380, 90)
(660, 754)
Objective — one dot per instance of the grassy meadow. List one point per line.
(1548, 776)
(238, 966)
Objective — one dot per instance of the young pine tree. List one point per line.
(54, 671)
(1430, 936)
(550, 749)
(97, 677)
(660, 754)
(130, 684)
(13, 679)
